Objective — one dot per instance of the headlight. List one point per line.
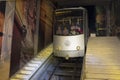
(78, 48)
(58, 48)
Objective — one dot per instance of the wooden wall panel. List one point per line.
(46, 17)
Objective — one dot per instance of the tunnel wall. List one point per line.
(32, 31)
(101, 20)
(46, 23)
(115, 17)
(23, 34)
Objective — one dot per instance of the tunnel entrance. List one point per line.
(91, 18)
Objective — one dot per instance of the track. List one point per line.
(62, 69)
(51, 69)
(67, 70)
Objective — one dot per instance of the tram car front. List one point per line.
(70, 32)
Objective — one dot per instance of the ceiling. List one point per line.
(76, 3)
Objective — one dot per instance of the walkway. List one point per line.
(102, 60)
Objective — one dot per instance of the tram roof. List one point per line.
(73, 8)
(76, 3)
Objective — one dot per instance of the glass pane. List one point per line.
(68, 22)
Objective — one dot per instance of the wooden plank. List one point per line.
(6, 27)
(103, 71)
(101, 79)
(102, 67)
(102, 76)
(102, 59)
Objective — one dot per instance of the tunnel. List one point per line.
(27, 31)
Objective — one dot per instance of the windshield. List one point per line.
(68, 22)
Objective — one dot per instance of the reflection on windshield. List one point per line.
(69, 26)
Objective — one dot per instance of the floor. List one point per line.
(102, 59)
(4, 70)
